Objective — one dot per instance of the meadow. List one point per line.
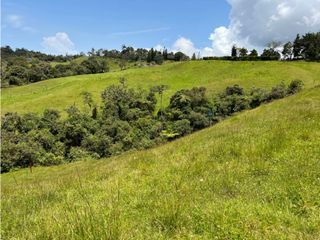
(255, 175)
(214, 75)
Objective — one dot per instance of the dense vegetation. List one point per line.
(21, 66)
(124, 121)
(252, 176)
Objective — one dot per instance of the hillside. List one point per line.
(214, 75)
(253, 176)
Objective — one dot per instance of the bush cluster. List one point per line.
(124, 121)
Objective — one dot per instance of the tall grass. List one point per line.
(255, 175)
(214, 75)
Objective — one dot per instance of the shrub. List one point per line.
(182, 127)
(277, 92)
(257, 97)
(294, 87)
(78, 153)
(49, 159)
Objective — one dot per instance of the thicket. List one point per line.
(126, 120)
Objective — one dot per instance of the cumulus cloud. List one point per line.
(60, 43)
(254, 23)
(184, 45)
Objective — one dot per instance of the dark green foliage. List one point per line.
(295, 86)
(234, 51)
(127, 122)
(257, 97)
(253, 54)
(243, 52)
(270, 54)
(180, 56)
(21, 66)
(277, 92)
(95, 65)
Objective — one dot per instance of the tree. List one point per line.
(160, 90)
(193, 57)
(287, 50)
(95, 65)
(310, 44)
(270, 54)
(243, 52)
(151, 55)
(297, 48)
(158, 59)
(234, 51)
(253, 54)
(165, 54)
(180, 56)
(87, 99)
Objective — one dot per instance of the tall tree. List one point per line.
(234, 51)
(287, 50)
(297, 49)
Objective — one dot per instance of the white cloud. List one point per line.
(14, 20)
(60, 43)
(254, 23)
(184, 45)
(17, 21)
(159, 47)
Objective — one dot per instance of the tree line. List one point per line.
(306, 47)
(127, 119)
(21, 66)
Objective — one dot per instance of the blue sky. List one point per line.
(208, 27)
(109, 24)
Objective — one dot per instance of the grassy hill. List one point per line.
(113, 63)
(253, 176)
(214, 75)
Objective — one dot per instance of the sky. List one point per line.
(208, 27)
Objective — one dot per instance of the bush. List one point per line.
(78, 153)
(257, 97)
(182, 127)
(49, 159)
(294, 87)
(277, 92)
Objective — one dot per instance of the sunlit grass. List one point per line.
(214, 75)
(255, 175)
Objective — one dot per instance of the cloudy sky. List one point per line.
(208, 27)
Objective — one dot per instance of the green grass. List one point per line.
(255, 175)
(214, 75)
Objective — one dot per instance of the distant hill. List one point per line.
(214, 75)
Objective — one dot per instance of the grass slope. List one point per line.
(214, 75)
(253, 176)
